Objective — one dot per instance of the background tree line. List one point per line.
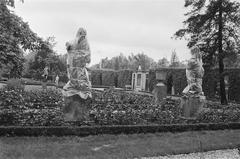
(134, 61)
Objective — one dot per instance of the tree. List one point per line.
(163, 62)
(46, 56)
(174, 60)
(131, 62)
(15, 37)
(213, 26)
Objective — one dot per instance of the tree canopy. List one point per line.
(213, 26)
(15, 37)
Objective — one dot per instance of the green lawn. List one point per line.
(116, 146)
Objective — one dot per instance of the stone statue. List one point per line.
(193, 101)
(194, 73)
(78, 88)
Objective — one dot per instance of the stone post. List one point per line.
(160, 90)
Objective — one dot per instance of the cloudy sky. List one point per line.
(113, 26)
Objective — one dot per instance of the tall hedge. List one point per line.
(176, 77)
(96, 77)
(108, 78)
(234, 84)
(124, 77)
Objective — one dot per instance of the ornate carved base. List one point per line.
(75, 108)
(192, 105)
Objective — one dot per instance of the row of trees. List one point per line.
(134, 61)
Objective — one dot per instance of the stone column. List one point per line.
(160, 90)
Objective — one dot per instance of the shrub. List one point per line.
(18, 107)
(14, 84)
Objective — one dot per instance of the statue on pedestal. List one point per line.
(78, 88)
(193, 100)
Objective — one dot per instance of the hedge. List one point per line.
(177, 78)
(96, 77)
(107, 77)
(118, 129)
(124, 78)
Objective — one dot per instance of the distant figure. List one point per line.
(45, 76)
(45, 73)
(56, 81)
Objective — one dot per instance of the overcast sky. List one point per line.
(113, 26)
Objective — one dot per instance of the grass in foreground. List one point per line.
(120, 146)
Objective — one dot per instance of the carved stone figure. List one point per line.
(194, 73)
(193, 101)
(78, 88)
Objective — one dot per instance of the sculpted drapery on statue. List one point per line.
(77, 58)
(194, 73)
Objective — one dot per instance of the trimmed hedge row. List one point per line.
(177, 77)
(118, 129)
(111, 78)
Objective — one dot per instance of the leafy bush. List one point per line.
(18, 107)
(44, 108)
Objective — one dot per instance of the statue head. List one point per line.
(196, 53)
(81, 33)
(80, 36)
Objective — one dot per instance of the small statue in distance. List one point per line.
(194, 73)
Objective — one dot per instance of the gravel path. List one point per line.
(219, 154)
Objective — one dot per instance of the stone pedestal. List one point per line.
(192, 105)
(160, 92)
(75, 108)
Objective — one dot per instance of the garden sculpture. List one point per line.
(78, 88)
(77, 58)
(193, 100)
(194, 73)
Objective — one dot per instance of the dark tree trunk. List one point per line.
(220, 57)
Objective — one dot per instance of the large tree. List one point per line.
(15, 37)
(213, 26)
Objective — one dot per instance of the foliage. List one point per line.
(122, 62)
(44, 108)
(174, 62)
(108, 77)
(30, 108)
(15, 37)
(14, 84)
(176, 77)
(45, 56)
(124, 77)
(213, 26)
(163, 62)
